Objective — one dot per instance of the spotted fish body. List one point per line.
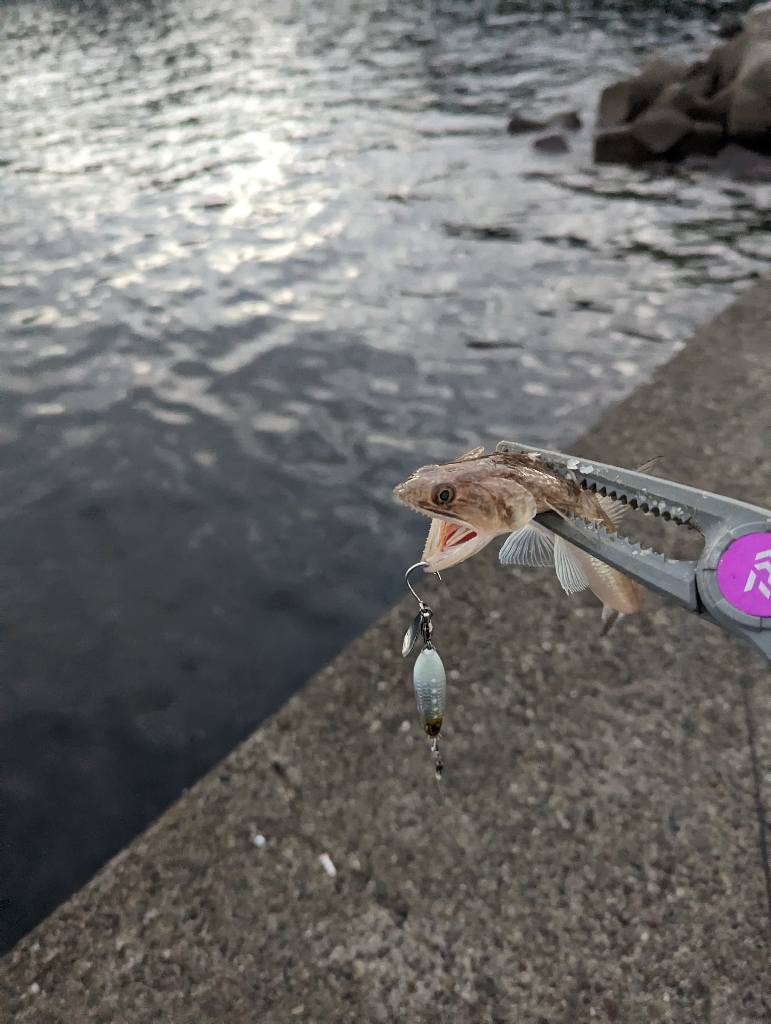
(479, 497)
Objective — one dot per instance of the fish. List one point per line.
(477, 497)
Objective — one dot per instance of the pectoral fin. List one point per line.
(569, 571)
(530, 545)
(534, 545)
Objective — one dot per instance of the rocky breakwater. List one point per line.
(718, 107)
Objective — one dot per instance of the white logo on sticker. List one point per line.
(759, 566)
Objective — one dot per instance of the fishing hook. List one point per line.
(412, 568)
(421, 625)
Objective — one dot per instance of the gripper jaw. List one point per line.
(674, 579)
(726, 585)
(672, 501)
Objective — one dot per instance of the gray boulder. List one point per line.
(619, 146)
(660, 128)
(754, 72)
(713, 109)
(568, 120)
(615, 105)
(670, 113)
(724, 62)
(705, 138)
(749, 120)
(520, 125)
(552, 145)
(730, 27)
(623, 101)
(565, 120)
(742, 164)
(757, 21)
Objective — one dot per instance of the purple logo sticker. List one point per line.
(744, 574)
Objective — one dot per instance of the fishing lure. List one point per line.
(429, 679)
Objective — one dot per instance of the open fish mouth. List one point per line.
(451, 542)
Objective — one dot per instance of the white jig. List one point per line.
(430, 683)
(429, 679)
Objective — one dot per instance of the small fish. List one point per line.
(479, 497)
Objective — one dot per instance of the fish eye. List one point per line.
(444, 494)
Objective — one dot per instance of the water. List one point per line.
(258, 263)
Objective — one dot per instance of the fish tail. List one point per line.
(609, 619)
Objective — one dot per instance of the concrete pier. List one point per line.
(598, 853)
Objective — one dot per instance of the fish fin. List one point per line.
(529, 545)
(616, 591)
(473, 454)
(614, 510)
(569, 571)
(609, 618)
(649, 464)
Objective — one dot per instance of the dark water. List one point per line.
(259, 261)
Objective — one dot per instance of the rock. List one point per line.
(699, 86)
(619, 146)
(655, 76)
(551, 144)
(683, 96)
(677, 113)
(714, 109)
(754, 72)
(615, 104)
(623, 101)
(749, 120)
(724, 62)
(671, 135)
(730, 27)
(757, 21)
(659, 71)
(519, 124)
(705, 138)
(743, 164)
(568, 120)
(660, 128)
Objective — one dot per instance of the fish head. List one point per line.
(471, 501)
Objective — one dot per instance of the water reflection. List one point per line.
(259, 262)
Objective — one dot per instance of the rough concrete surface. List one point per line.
(597, 856)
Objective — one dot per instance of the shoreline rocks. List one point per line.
(553, 141)
(671, 112)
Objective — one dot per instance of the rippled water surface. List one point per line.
(258, 262)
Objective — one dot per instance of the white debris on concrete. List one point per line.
(326, 862)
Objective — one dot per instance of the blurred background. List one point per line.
(259, 261)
